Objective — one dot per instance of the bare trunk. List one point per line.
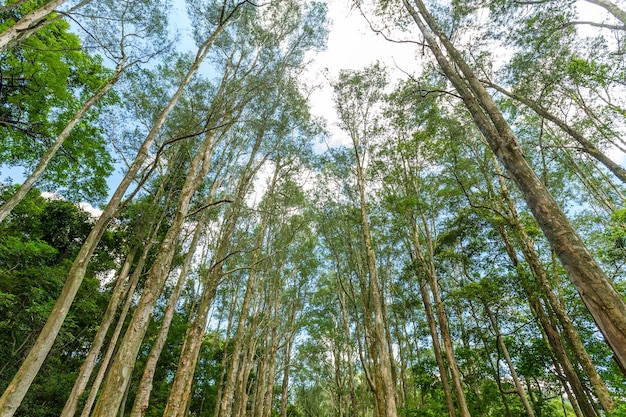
(379, 333)
(90, 361)
(145, 386)
(18, 387)
(230, 383)
(553, 338)
(121, 368)
(429, 271)
(447, 343)
(541, 275)
(104, 363)
(518, 384)
(183, 379)
(34, 18)
(443, 370)
(605, 304)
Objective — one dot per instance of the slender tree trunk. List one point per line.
(142, 397)
(90, 361)
(552, 337)
(269, 393)
(27, 22)
(18, 387)
(284, 388)
(518, 384)
(195, 333)
(349, 352)
(140, 405)
(230, 383)
(495, 367)
(104, 363)
(605, 304)
(384, 360)
(26, 186)
(541, 275)
(449, 350)
(429, 271)
(121, 368)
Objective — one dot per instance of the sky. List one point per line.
(351, 45)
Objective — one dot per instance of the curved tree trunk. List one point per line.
(612, 8)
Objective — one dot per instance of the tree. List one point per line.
(140, 25)
(12, 397)
(604, 303)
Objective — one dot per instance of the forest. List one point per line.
(189, 238)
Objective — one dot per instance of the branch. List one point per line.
(211, 204)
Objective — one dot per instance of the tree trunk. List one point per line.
(90, 361)
(429, 271)
(34, 18)
(230, 383)
(552, 337)
(541, 275)
(104, 363)
(18, 387)
(605, 304)
(142, 397)
(518, 384)
(384, 360)
(195, 333)
(121, 368)
(10, 204)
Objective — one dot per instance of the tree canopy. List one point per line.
(460, 251)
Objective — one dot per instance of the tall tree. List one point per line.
(597, 292)
(13, 395)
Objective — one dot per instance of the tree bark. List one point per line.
(605, 304)
(429, 271)
(384, 356)
(104, 363)
(142, 398)
(15, 392)
(541, 275)
(33, 18)
(195, 333)
(518, 384)
(226, 403)
(121, 368)
(90, 361)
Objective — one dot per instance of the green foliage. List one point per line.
(44, 81)
(37, 245)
